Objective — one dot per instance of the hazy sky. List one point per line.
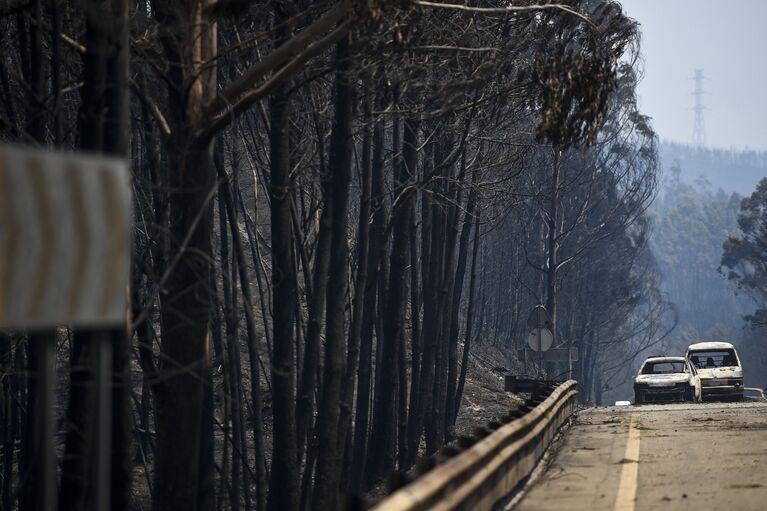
(728, 39)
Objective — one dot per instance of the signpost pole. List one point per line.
(540, 338)
(538, 333)
(44, 457)
(102, 463)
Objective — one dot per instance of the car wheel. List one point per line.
(689, 395)
(637, 397)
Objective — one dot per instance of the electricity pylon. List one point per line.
(699, 127)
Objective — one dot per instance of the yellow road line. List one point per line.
(627, 488)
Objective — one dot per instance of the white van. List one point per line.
(718, 365)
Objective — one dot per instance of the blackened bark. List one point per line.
(184, 367)
(377, 243)
(407, 457)
(469, 319)
(385, 424)
(34, 68)
(358, 303)
(6, 421)
(382, 446)
(77, 469)
(552, 247)
(433, 322)
(56, 66)
(307, 387)
(402, 385)
(238, 261)
(409, 171)
(183, 461)
(104, 125)
(116, 142)
(232, 399)
(448, 346)
(329, 457)
(451, 411)
(283, 482)
(425, 382)
(35, 72)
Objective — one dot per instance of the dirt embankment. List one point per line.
(483, 397)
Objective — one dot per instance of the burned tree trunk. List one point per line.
(329, 457)
(469, 320)
(552, 247)
(384, 431)
(358, 301)
(104, 127)
(377, 244)
(452, 395)
(183, 464)
(283, 482)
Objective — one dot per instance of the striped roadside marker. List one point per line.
(64, 239)
(65, 223)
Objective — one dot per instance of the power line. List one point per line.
(699, 127)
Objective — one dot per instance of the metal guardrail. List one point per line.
(477, 478)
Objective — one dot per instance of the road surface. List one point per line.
(658, 457)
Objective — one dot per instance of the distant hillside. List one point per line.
(729, 169)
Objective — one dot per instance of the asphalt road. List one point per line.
(658, 457)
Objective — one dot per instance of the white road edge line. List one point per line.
(627, 488)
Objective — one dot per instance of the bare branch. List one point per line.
(224, 118)
(299, 43)
(509, 9)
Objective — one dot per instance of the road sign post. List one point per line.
(541, 337)
(65, 227)
(42, 366)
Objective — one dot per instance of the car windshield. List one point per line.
(707, 359)
(663, 367)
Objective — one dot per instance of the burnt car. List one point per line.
(665, 379)
(718, 364)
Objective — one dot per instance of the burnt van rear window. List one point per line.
(707, 359)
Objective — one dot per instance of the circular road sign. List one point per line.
(540, 339)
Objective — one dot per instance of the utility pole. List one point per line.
(699, 128)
